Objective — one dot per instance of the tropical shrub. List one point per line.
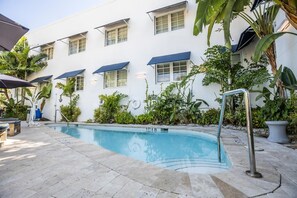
(176, 104)
(209, 117)
(70, 111)
(146, 118)
(110, 107)
(13, 109)
(124, 117)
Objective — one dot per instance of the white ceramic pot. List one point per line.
(277, 131)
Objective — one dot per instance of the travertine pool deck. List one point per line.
(40, 162)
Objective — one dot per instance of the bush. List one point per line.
(124, 117)
(208, 117)
(71, 111)
(146, 118)
(111, 106)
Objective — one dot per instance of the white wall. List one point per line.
(141, 46)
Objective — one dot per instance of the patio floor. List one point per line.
(40, 162)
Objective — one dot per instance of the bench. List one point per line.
(14, 125)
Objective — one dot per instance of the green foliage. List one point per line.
(146, 118)
(71, 111)
(209, 117)
(43, 94)
(292, 117)
(277, 107)
(218, 70)
(19, 62)
(110, 107)
(124, 117)
(68, 88)
(175, 104)
(14, 109)
(217, 12)
(266, 41)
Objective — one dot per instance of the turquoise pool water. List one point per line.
(178, 150)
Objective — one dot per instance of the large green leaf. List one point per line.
(289, 79)
(266, 41)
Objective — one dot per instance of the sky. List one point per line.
(36, 13)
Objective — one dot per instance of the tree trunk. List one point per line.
(270, 53)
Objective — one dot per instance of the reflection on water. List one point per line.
(149, 147)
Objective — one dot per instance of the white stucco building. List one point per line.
(118, 44)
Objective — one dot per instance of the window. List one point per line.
(163, 72)
(49, 51)
(179, 70)
(79, 83)
(77, 44)
(115, 78)
(172, 21)
(177, 20)
(235, 59)
(171, 71)
(117, 35)
(162, 24)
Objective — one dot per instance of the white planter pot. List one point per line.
(277, 131)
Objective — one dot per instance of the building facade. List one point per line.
(121, 45)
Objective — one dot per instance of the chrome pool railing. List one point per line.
(251, 147)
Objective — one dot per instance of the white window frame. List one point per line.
(77, 40)
(171, 78)
(49, 51)
(77, 82)
(232, 59)
(116, 29)
(169, 19)
(115, 80)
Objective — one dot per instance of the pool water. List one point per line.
(178, 150)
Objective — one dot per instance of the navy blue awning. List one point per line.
(245, 39)
(170, 58)
(181, 4)
(255, 4)
(71, 74)
(41, 79)
(112, 67)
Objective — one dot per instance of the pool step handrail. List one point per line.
(251, 147)
(62, 116)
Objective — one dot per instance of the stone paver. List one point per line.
(40, 162)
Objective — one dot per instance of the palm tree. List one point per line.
(19, 62)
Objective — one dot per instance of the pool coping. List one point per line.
(182, 183)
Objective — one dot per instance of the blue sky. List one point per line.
(36, 13)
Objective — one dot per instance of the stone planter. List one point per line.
(277, 131)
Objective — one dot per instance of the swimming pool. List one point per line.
(184, 151)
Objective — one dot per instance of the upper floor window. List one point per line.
(174, 71)
(116, 78)
(48, 50)
(77, 44)
(172, 21)
(116, 35)
(79, 82)
(235, 58)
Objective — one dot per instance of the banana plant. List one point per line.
(43, 94)
(210, 12)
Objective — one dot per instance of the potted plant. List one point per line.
(277, 109)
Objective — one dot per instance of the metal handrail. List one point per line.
(62, 116)
(252, 172)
